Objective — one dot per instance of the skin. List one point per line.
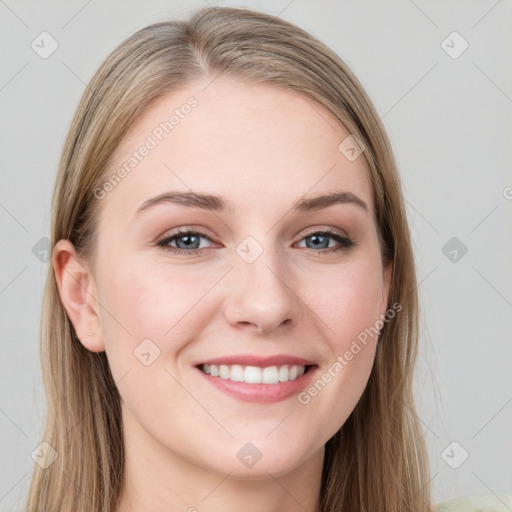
(262, 148)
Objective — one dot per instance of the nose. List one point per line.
(261, 295)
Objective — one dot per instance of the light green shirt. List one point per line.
(501, 502)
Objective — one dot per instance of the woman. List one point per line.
(231, 316)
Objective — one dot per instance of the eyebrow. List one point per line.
(219, 204)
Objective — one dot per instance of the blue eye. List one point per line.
(321, 239)
(189, 242)
(186, 242)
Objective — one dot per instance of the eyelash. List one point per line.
(345, 242)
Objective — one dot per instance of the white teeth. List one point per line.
(270, 375)
(254, 374)
(223, 371)
(237, 373)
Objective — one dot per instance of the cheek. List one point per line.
(142, 301)
(147, 318)
(347, 300)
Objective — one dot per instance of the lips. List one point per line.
(258, 379)
(255, 360)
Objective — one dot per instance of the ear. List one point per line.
(77, 291)
(386, 281)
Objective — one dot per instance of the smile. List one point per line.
(255, 374)
(258, 384)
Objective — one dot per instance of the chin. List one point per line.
(255, 459)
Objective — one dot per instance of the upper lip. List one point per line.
(261, 361)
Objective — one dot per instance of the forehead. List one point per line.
(258, 145)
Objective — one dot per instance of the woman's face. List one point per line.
(232, 264)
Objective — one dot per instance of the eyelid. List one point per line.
(330, 230)
(183, 230)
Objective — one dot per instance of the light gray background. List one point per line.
(450, 124)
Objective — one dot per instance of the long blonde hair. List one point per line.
(377, 460)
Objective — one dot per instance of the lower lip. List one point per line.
(261, 393)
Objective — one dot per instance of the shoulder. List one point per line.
(477, 503)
